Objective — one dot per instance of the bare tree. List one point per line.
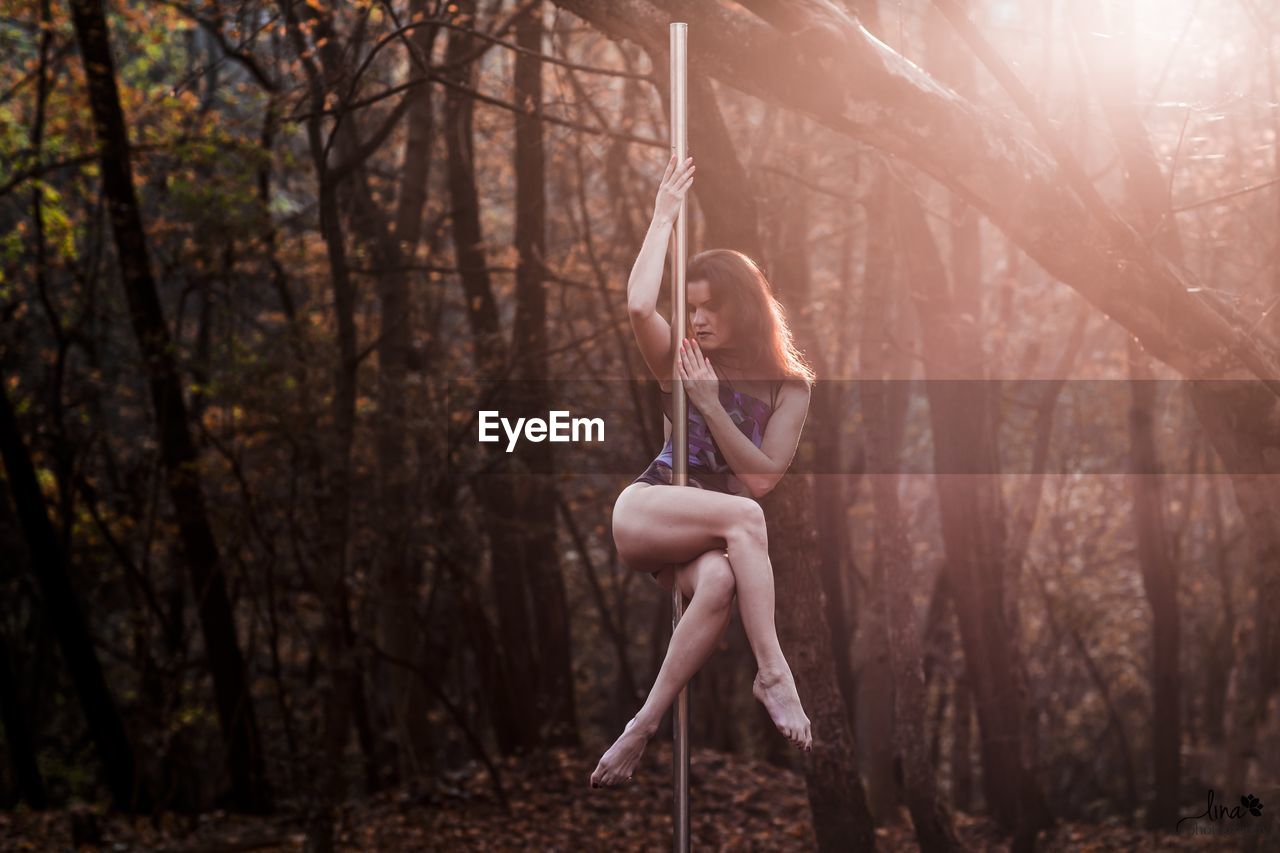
(177, 450)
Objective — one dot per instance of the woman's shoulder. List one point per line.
(793, 387)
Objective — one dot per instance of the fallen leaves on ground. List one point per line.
(736, 805)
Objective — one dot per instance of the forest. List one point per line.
(263, 265)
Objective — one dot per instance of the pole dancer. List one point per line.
(749, 387)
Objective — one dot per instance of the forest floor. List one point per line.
(736, 805)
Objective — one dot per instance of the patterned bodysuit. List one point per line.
(707, 466)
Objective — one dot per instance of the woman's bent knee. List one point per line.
(715, 578)
(629, 534)
(748, 523)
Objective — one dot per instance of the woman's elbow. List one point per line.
(762, 485)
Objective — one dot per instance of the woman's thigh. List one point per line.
(656, 526)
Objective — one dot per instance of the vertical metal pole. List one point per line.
(680, 427)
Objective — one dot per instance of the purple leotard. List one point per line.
(707, 466)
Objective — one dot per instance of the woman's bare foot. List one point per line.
(776, 690)
(620, 760)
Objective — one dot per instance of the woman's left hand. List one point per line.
(700, 380)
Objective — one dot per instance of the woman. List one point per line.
(748, 391)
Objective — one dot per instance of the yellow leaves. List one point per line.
(59, 230)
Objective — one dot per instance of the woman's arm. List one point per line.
(760, 468)
(757, 468)
(652, 331)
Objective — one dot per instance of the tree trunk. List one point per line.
(973, 528)
(177, 450)
(398, 629)
(535, 493)
(515, 728)
(22, 748)
(1160, 583)
(962, 745)
(729, 210)
(875, 697)
(49, 565)
(894, 571)
(829, 403)
(841, 820)
(876, 700)
(333, 499)
(1220, 653)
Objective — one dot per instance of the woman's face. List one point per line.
(706, 317)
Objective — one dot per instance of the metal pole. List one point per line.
(680, 427)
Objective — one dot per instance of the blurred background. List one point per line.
(257, 261)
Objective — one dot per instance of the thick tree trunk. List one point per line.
(1160, 583)
(49, 565)
(828, 405)
(177, 450)
(841, 820)
(876, 701)
(398, 628)
(515, 728)
(954, 65)
(894, 571)
(22, 747)
(729, 211)
(973, 519)
(535, 494)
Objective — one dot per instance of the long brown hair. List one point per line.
(761, 337)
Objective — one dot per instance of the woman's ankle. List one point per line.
(769, 672)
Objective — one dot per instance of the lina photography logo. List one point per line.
(1224, 819)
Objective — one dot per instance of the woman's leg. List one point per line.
(708, 581)
(656, 525)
